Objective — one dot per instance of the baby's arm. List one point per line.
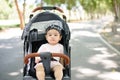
(41, 49)
(37, 59)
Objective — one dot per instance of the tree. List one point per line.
(20, 14)
(116, 9)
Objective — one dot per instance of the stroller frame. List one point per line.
(32, 36)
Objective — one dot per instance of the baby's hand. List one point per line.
(37, 59)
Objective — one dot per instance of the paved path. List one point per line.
(11, 55)
(91, 57)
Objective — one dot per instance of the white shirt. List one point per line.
(58, 48)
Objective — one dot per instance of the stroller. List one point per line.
(34, 36)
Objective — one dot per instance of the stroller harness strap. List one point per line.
(46, 58)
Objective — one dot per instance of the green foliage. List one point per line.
(70, 4)
(90, 6)
(54, 2)
(96, 5)
(5, 10)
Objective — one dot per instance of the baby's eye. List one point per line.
(55, 35)
(49, 35)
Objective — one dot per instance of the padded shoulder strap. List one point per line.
(46, 59)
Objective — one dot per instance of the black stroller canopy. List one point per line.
(42, 20)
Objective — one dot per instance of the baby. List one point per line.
(53, 36)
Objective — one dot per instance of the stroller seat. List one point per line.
(36, 39)
(34, 36)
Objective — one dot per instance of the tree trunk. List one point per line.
(114, 2)
(114, 29)
(24, 8)
(119, 11)
(22, 23)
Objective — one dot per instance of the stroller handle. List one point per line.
(47, 8)
(65, 57)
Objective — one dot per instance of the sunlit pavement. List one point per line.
(91, 57)
(11, 55)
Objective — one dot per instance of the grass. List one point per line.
(2, 27)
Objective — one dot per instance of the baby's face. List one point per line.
(53, 36)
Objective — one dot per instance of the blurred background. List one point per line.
(85, 18)
(17, 11)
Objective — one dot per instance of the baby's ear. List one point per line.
(60, 37)
(46, 36)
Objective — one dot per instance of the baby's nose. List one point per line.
(52, 36)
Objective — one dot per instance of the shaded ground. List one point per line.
(110, 37)
(11, 54)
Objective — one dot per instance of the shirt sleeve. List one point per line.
(42, 49)
(62, 49)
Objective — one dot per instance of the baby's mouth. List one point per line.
(53, 40)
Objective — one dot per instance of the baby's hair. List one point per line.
(56, 27)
